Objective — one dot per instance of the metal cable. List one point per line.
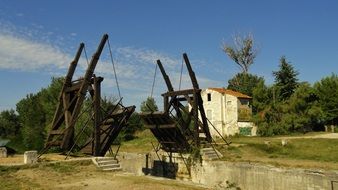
(152, 88)
(179, 87)
(84, 48)
(112, 60)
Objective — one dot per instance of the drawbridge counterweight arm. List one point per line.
(67, 82)
(165, 76)
(81, 94)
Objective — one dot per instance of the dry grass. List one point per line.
(80, 175)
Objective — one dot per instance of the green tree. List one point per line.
(149, 105)
(286, 79)
(134, 124)
(302, 109)
(49, 97)
(9, 124)
(35, 113)
(244, 83)
(300, 113)
(242, 52)
(262, 96)
(33, 119)
(109, 103)
(327, 91)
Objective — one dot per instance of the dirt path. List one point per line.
(315, 136)
(86, 177)
(123, 181)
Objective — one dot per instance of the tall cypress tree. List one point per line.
(286, 79)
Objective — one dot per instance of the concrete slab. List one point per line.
(30, 157)
(3, 152)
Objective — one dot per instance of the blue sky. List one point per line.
(38, 39)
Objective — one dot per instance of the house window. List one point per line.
(209, 97)
(244, 102)
(228, 103)
(209, 114)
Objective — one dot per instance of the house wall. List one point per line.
(216, 106)
(231, 115)
(222, 111)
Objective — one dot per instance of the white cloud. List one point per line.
(146, 56)
(134, 66)
(27, 55)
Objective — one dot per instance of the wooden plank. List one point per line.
(74, 87)
(56, 132)
(181, 92)
(54, 143)
(153, 114)
(161, 126)
(68, 114)
(108, 121)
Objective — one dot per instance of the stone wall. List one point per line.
(244, 175)
(153, 164)
(133, 162)
(260, 177)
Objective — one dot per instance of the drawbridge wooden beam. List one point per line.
(198, 100)
(71, 99)
(81, 94)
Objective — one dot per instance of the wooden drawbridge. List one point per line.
(179, 128)
(68, 110)
(109, 129)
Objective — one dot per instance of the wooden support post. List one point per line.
(69, 135)
(166, 103)
(97, 115)
(81, 94)
(196, 127)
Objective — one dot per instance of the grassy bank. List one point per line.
(141, 143)
(300, 150)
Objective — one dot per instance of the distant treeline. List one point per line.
(27, 127)
(289, 106)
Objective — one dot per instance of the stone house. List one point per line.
(228, 111)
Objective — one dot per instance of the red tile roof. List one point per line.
(230, 92)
